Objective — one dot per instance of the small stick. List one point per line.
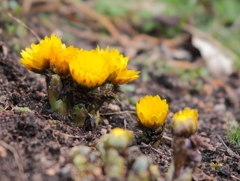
(71, 136)
(234, 177)
(149, 146)
(120, 112)
(21, 23)
(230, 152)
(168, 138)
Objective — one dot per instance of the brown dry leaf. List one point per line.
(199, 175)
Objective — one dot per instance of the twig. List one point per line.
(80, 7)
(16, 156)
(168, 138)
(234, 177)
(149, 146)
(71, 136)
(120, 112)
(20, 22)
(92, 36)
(230, 152)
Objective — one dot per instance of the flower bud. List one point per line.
(114, 165)
(185, 123)
(61, 107)
(119, 139)
(80, 114)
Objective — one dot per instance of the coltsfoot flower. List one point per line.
(152, 111)
(118, 65)
(49, 53)
(89, 68)
(185, 123)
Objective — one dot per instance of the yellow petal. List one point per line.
(118, 67)
(49, 53)
(89, 69)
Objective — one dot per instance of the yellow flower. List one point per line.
(60, 64)
(50, 52)
(184, 123)
(118, 67)
(152, 111)
(89, 68)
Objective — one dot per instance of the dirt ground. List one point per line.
(35, 142)
(35, 145)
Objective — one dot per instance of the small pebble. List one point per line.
(203, 134)
(50, 172)
(219, 107)
(3, 152)
(103, 131)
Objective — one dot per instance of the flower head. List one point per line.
(152, 111)
(184, 123)
(118, 67)
(89, 68)
(60, 64)
(119, 138)
(50, 52)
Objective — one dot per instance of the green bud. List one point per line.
(55, 82)
(142, 169)
(154, 171)
(87, 162)
(80, 114)
(80, 161)
(54, 86)
(95, 118)
(139, 169)
(114, 165)
(53, 96)
(100, 146)
(80, 150)
(170, 172)
(61, 107)
(141, 163)
(119, 139)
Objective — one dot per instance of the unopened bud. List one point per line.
(61, 107)
(119, 139)
(185, 123)
(80, 114)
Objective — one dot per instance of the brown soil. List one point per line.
(35, 145)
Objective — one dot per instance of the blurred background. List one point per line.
(198, 35)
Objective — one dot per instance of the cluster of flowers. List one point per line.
(152, 113)
(88, 68)
(92, 69)
(78, 81)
